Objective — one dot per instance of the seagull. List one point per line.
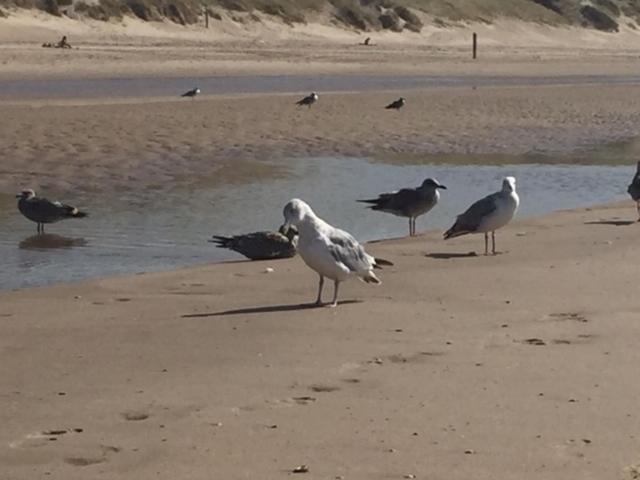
(261, 245)
(331, 252)
(41, 210)
(191, 93)
(308, 100)
(634, 189)
(409, 202)
(488, 214)
(397, 105)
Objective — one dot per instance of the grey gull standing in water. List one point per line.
(41, 210)
(488, 214)
(409, 202)
(331, 252)
(634, 189)
(261, 245)
(397, 105)
(191, 93)
(308, 100)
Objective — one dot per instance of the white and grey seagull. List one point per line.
(191, 93)
(396, 105)
(261, 245)
(329, 251)
(308, 100)
(488, 214)
(634, 189)
(409, 202)
(41, 210)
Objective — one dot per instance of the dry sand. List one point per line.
(518, 366)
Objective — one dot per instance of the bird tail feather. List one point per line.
(455, 231)
(381, 261)
(220, 241)
(371, 278)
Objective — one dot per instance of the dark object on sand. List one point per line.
(261, 245)
(41, 210)
(191, 93)
(397, 105)
(63, 43)
(308, 100)
(634, 189)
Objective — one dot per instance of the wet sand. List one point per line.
(520, 365)
(98, 145)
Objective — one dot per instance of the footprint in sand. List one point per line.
(133, 416)
(323, 388)
(86, 460)
(568, 316)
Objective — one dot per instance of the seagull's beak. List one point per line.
(442, 187)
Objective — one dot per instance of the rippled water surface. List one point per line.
(148, 230)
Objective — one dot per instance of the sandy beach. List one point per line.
(520, 366)
(517, 366)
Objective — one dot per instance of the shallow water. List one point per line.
(150, 230)
(32, 89)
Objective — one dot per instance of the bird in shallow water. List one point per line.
(308, 100)
(488, 215)
(409, 202)
(329, 251)
(261, 245)
(191, 93)
(634, 189)
(41, 210)
(397, 105)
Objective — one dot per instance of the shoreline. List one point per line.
(235, 373)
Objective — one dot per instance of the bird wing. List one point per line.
(396, 201)
(258, 245)
(346, 250)
(394, 104)
(470, 220)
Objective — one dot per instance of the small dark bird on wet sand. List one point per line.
(634, 189)
(41, 210)
(261, 245)
(191, 93)
(397, 105)
(408, 202)
(308, 100)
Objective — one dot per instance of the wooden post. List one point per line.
(206, 18)
(475, 45)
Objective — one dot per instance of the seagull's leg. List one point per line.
(493, 241)
(638, 208)
(320, 285)
(486, 243)
(410, 228)
(336, 284)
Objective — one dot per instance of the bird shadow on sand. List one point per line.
(266, 309)
(615, 223)
(446, 256)
(48, 241)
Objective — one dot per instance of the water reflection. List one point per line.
(144, 230)
(49, 241)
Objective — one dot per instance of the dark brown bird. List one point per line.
(261, 245)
